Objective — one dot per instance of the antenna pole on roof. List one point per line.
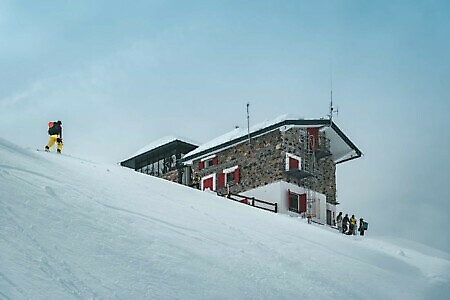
(331, 96)
(248, 123)
(331, 107)
(332, 110)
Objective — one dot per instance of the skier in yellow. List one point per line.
(55, 132)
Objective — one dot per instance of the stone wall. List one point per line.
(264, 162)
(324, 169)
(259, 164)
(171, 176)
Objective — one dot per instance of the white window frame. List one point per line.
(227, 171)
(213, 176)
(208, 158)
(289, 155)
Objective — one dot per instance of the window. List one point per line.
(208, 162)
(161, 167)
(158, 166)
(173, 162)
(228, 177)
(293, 162)
(154, 171)
(293, 202)
(297, 202)
(146, 170)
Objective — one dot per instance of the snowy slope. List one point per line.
(74, 229)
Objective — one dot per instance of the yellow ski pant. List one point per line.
(52, 141)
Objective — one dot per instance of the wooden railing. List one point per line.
(261, 204)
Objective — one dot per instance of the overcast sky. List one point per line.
(121, 74)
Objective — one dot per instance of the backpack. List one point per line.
(52, 128)
(366, 225)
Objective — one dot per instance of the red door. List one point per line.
(208, 184)
(313, 138)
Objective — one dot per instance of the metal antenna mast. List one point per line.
(248, 123)
(332, 111)
(331, 106)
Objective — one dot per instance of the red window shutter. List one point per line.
(293, 163)
(302, 203)
(201, 165)
(215, 161)
(236, 175)
(288, 198)
(221, 180)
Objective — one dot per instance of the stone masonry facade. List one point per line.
(263, 161)
(323, 169)
(171, 176)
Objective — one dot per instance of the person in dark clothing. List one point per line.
(339, 221)
(55, 133)
(345, 223)
(361, 226)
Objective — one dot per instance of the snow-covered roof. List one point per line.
(341, 147)
(240, 132)
(160, 142)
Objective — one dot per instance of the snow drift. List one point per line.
(74, 229)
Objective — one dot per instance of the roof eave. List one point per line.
(177, 141)
(348, 142)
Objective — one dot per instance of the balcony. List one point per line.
(299, 174)
(322, 150)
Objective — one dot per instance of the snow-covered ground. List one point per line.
(75, 229)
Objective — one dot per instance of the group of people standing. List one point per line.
(349, 226)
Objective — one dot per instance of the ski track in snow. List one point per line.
(49, 265)
(174, 228)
